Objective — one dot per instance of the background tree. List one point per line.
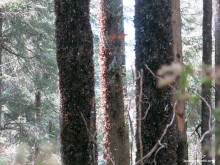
(154, 48)
(29, 65)
(26, 22)
(206, 88)
(111, 57)
(217, 85)
(191, 14)
(182, 149)
(74, 42)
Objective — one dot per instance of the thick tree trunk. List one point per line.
(182, 150)
(154, 48)
(76, 82)
(217, 84)
(206, 89)
(111, 56)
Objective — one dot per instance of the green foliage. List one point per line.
(190, 80)
(29, 65)
(183, 80)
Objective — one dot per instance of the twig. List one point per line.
(210, 120)
(91, 136)
(197, 130)
(210, 111)
(12, 52)
(132, 130)
(154, 75)
(155, 148)
(143, 118)
(87, 129)
(155, 156)
(152, 72)
(203, 99)
(139, 116)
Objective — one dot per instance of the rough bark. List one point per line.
(154, 47)
(74, 42)
(206, 89)
(217, 84)
(1, 42)
(111, 57)
(182, 149)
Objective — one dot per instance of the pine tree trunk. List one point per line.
(154, 48)
(182, 149)
(217, 84)
(206, 89)
(111, 57)
(74, 42)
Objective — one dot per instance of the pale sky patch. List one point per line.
(130, 32)
(4, 2)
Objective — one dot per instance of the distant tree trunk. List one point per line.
(154, 48)
(51, 129)
(74, 42)
(1, 42)
(111, 57)
(217, 84)
(206, 89)
(182, 149)
(37, 121)
(38, 106)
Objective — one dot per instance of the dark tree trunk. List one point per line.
(206, 89)
(38, 106)
(217, 84)
(74, 42)
(154, 48)
(37, 121)
(111, 56)
(182, 149)
(1, 42)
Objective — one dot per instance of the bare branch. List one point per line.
(155, 156)
(159, 141)
(87, 129)
(161, 138)
(158, 77)
(203, 99)
(145, 115)
(12, 52)
(140, 116)
(197, 130)
(210, 111)
(132, 129)
(155, 148)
